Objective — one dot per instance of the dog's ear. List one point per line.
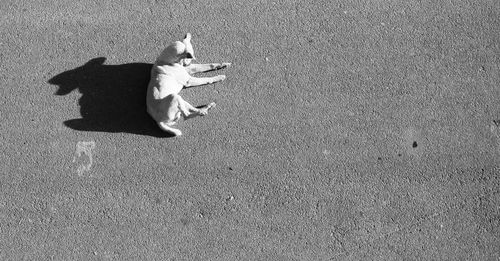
(189, 47)
(187, 42)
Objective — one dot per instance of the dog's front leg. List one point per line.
(193, 81)
(197, 68)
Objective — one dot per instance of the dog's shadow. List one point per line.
(113, 97)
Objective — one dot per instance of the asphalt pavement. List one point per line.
(345, 130)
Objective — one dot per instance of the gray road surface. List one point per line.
(345, 130)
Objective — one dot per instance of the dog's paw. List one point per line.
(211, 105)
(218, 66)
(204, 111)
(220, 78)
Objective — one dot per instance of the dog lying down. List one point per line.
(170, 74)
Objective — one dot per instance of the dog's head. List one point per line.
(178, 52)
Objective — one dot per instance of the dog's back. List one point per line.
(165, 80)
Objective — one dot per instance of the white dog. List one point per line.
(170, 73)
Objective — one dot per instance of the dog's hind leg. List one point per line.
(197, 68)
(167, 127)
(172, 110)
(189, 111)
(204, 110)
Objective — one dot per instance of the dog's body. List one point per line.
(169, 75)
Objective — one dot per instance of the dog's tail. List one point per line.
(166, 128)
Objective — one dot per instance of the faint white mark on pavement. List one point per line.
(495, 130)
(83, 156)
